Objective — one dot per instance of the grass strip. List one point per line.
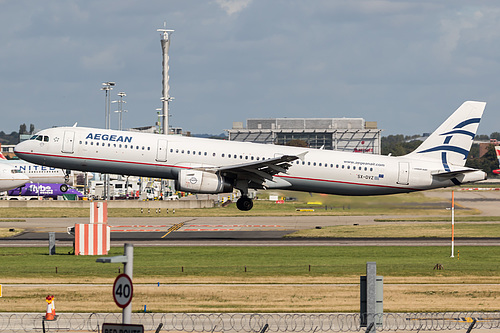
(402, 230)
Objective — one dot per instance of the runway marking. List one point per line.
(173, 228)
(136, 230)
(212, 229)
(138, 226)
(236, 225)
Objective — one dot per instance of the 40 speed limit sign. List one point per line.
(123, 290)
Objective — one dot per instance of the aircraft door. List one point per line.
(161, 152)
(404, 173)
(68, 142)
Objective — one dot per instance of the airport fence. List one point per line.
(252, 322)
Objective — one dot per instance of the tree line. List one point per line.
(13, 137)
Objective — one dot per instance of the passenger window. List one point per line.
(319, 164)
(91, 143)
(142, 147)
(126, 146)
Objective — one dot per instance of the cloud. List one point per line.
(233, 6)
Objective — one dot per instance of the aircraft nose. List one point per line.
(21, 148)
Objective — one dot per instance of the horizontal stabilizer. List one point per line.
(452, 174)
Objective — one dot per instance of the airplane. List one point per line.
(497, 149)
(213, 166)
(39, 173)
(44, 190)
(11, 178)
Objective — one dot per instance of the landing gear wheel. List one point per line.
(64, 188)
(244, 203)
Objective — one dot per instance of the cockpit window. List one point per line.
(39, 137)
(15, 171)
(33, 137)
(45, 138)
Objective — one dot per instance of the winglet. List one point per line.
(302, 156)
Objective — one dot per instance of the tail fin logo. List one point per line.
(447, 147)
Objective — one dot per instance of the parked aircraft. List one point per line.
(11, 178)
(42, 190)
(497, 149)
(214, 166)
(40, 173)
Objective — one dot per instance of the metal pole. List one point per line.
(452, 224)
(165, 45)
(128, 268)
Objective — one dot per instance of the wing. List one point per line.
(258, 172)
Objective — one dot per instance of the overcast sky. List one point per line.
(405, 64)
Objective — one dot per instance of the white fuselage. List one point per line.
(161, 156)
(11, 178)
(38, 173)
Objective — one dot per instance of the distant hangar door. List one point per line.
(161, 152)
(404, 173)
(68, 142)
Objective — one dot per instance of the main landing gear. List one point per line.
(244, 203)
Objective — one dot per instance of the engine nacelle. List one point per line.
(202, 182)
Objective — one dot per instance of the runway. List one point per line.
(221, 231)
(152, 230)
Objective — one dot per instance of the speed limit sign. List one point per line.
(123, 290)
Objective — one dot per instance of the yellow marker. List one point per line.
(314, 203)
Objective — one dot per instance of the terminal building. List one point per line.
(343, 134)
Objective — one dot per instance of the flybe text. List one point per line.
(106, 137)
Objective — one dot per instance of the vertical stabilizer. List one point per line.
(452, 141)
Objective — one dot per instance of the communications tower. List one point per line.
(166, 98)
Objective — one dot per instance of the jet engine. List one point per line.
(197, 181)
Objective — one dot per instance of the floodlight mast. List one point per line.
(166, 98)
